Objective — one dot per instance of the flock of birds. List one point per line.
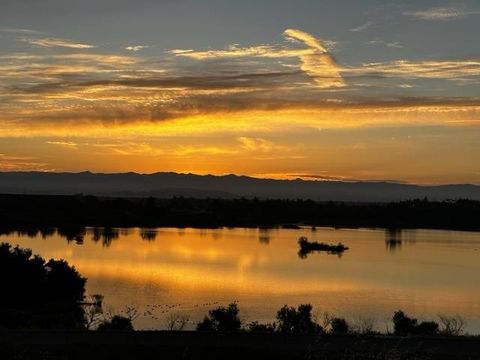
(159, 311)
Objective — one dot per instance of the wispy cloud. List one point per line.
(19, 31)
(249, 146)
(130, 148)
(234, 51)
(440, 13)
(315, 58)
(66, 144)
(259, 144)
(57, 42)
(306, 38)
(136, 48)
(362, 27)
(394, 44)
(320, 65)
(432, 69)
(188, 150)
(19, 163)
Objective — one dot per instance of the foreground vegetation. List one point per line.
(291, 320)
(37, 212)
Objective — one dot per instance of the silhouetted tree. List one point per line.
(64, 283)
(221, 319)
(39, 294)
(297, 321)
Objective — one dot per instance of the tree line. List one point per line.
(33, 212)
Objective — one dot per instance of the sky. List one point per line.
(333, 90)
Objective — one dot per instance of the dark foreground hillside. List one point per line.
(37, 212)
(245, 346)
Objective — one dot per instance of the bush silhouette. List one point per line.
(256, 327)
(221, 319)
(427, 328)
(39, 294)
(297, 321)
(206, 325)
(404, 325)
(339, 326)
(116, 323)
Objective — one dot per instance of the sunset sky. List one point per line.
(344, 89)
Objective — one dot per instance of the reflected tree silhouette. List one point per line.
(47, 232)
(393, 239)
(148, 234)
(28, 231)
(264, 236)
(105, 234)
(125, 231)
(73, 233)
(181, 231)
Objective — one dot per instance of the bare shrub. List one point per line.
(93, 311)
(452, 325)
(177, 321)
(326, 320)
(131, 312)
(364, 325)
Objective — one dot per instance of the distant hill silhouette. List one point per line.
(167, 184)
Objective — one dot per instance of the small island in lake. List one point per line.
(307, 247)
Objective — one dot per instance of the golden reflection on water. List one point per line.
(423, 272)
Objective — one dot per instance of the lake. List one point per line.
(188, 271)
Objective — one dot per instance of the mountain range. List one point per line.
(168, 184)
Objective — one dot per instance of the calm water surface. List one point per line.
(189, 271)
